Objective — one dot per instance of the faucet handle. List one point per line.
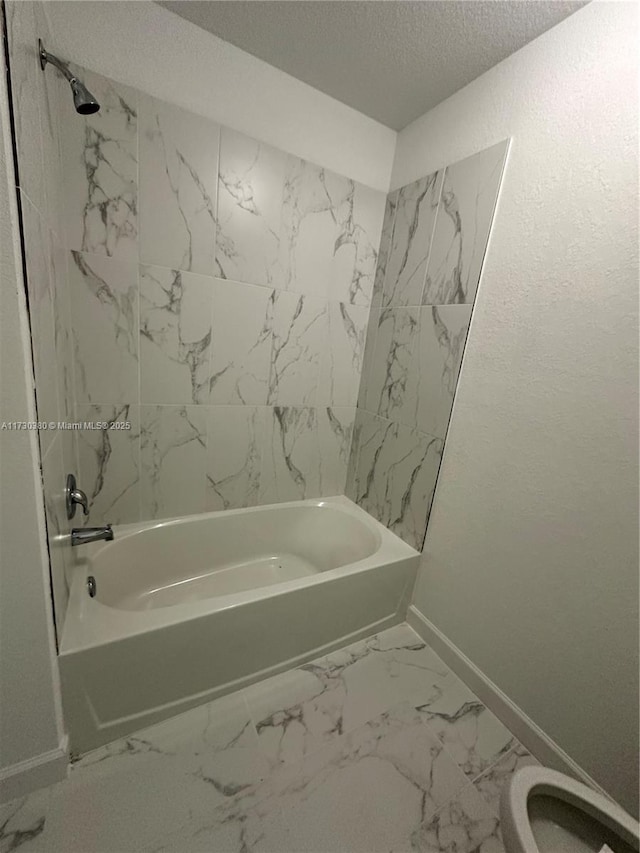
(73, 497)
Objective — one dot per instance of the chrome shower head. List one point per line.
(84, 101)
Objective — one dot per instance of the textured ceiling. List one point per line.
(391, 60)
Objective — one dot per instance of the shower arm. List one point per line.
(53, 60)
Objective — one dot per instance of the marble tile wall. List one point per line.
(218, 293)
(434, 238)
(39, 177)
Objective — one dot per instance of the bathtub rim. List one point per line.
(89, 623)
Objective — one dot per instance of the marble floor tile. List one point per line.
(473, 736)
(465, 824)
(300, 711)
(23, 822)
(371, 790)
(124, 795)
(493, 780)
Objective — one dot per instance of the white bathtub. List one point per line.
(191, 608)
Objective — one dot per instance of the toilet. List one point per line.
(544, 811)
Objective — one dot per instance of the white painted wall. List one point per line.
(146, 46)
(531, 558)
(31, 737)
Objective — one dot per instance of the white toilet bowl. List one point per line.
(544, 811)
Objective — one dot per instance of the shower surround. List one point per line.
(434, 239)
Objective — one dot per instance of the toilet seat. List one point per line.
(516, 824)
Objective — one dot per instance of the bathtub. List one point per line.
(190, 608)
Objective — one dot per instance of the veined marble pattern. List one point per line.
(241, 346)
(62, 329)
(54, 473)
(415, 218)
(464, 825)
(178, 186)
(41, 311)
(250, 188)
(464, 220)
(330, 233)
(472, 734)
(307, 709)
(299, 327)
(235, 437)
(433, 373)
(100, 168)
(109, 465)
(104, 318)
(367, 358)
(394, 475)
(332, 756)
(173, 441)
(385, 246)
(392, 362)
(22, 823)
(341, 363)
(175, 335)
(305, 453)
(493, 780)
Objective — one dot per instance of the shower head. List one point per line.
(83, 100)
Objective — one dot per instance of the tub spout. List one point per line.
(82, 535)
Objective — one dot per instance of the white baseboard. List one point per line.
(539, 744)
(21, 779)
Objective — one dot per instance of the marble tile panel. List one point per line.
(391, 368)
(27, 85)
(462, 229)
(473, 736)
(291, 456)
(415, 217)
(104, 318)
(23, 822)
(241, 344)
(109, 464)
(330, 233)
(301, 711)
(435, 365)
(299, 327)
(100, 169)
(63, 339)
(250, 189)
(367, 357)
(385, 247)
(341, 363)
(173, 458)
(175, 336)
(38, 257)
(235, 436)
(178, 186)
(306, 453)
(493, 780)
(54, 478)
(395, 475)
